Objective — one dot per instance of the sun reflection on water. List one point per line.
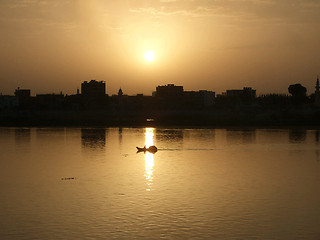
(149, 158)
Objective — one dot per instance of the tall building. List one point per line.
(93, 88)
(93, 95)
(169, 92)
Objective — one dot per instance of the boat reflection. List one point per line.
(22, 135)
(297, 135)
(149, 158)
(93, 138)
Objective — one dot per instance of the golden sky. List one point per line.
(51, 45)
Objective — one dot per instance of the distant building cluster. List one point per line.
(93, 96)
(171, 95)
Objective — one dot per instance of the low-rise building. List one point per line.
(50, 101)
(246, 92)
(24, 97)
(202, 98)
(8, 102)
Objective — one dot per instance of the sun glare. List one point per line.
(149, 56)
(149, 158)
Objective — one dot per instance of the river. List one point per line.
(90, 183)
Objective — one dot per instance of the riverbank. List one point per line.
(212, 117)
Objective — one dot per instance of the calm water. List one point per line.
(74, 183)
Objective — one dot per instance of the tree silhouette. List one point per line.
(298, 92)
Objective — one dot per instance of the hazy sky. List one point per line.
(53, 46)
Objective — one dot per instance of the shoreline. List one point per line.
(213, 118)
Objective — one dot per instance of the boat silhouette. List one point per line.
(151, 149)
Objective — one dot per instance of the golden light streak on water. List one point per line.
(149, 158)
(149, 137)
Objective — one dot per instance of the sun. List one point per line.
(149, 56)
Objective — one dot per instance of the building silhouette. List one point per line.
(8, 102)
(169, 96)
(93, 88)
(246, 92)
(169, 92)
(198, 99)
(173, 96)
(93, 95)
(50, 101)
(169, 104)
(24, 97)
(237, 96)
(22, 93)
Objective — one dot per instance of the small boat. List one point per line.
(141, 149)
(151, 149)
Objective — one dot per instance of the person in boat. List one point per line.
(151, 149)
